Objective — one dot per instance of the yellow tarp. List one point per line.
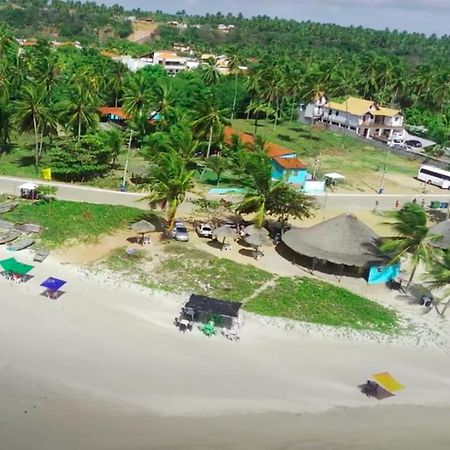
(47, 174)
(386, 380)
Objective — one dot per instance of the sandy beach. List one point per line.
(104, 368)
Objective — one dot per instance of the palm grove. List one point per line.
(52, 96)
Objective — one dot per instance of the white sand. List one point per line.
(104, 368)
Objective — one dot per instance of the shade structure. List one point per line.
(388, 382)
(14, 266)
(252, 229)
(334, 176)
(440, 234)
(258, 240)
(342, 240)
(143, 227)
(213, 306)
(28, 186)
(53, 284)
(224, 232)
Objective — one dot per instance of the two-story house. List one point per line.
(366, 118)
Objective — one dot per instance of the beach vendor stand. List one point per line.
(29, 191)
(14, 270)
(53, 286)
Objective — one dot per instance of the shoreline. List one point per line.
(105, 364)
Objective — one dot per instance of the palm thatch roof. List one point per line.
(224, 232)
(143, 227)
(258, 240)
(252, 229)
(441, 229)
(341, 240)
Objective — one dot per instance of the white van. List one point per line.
(434, 175)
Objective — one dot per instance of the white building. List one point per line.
(365, 117)
(170, 61)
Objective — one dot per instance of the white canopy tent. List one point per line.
(334, 176)
(28, 186)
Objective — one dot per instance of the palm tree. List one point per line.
(31, 114)
(439, 275)
(169, 180)
(116, 82)
(218, 164)
(137, 97)
(259, 107)
(411, 226)
(211, 123)
(234, 63)
(210, 73)
(113, 139)
(259, 185)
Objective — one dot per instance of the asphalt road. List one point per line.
(329, 201)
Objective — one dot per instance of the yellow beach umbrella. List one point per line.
(387, 381)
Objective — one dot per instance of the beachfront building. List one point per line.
(285, 163)
(366, 118)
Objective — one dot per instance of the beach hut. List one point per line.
(223, 233)
(343, 240)
(257, 241)
(200, 308)
(440, 234)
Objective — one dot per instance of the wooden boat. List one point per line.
(28, 228)
(40, 254)
(20, 244)
(8, 236)
(7, 206)
(4, 225)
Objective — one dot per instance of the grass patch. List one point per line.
(65, 221)
(314, 301)
(337, 152)
(182, 268)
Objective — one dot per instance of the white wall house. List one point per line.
(366, 118)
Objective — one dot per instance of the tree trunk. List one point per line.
(172, 206)
(79, 127)
(235, 96)
(249, 108)
(256, 124)
(276, 115)
(208, 151)
(218, 178)
(36, 138)
(411, 277)
(293, 108)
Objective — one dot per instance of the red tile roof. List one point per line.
(106, 110)
(290, 163)
(272, 150)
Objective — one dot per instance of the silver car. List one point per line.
(180, 232)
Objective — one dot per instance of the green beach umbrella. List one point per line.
(14, 266)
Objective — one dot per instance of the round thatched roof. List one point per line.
(143, 227)
(341, 240)
(224, 232)
(252, 229)
(441, 229)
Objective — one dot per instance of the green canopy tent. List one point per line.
(11, 265)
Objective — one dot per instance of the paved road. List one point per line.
(331, 201)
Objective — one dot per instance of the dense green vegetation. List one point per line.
(318, 302)
(65, 222)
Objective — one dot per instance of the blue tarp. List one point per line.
(53, 284)
(383, 274)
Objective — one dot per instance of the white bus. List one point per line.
(434, 175)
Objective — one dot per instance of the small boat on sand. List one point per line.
(7, 236)
(5, 225)
(7, 206)
(40, 254)
(28, 228)
(20, 244)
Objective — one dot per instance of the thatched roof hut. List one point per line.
(343, 240)
(441, 229)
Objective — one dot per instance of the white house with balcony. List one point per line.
(366, 118)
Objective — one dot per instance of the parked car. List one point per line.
(204, 230)
(413, 143)
(180, 232)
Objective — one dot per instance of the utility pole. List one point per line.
(383, 176)
(124, 179)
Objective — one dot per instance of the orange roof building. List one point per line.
(285, 163)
